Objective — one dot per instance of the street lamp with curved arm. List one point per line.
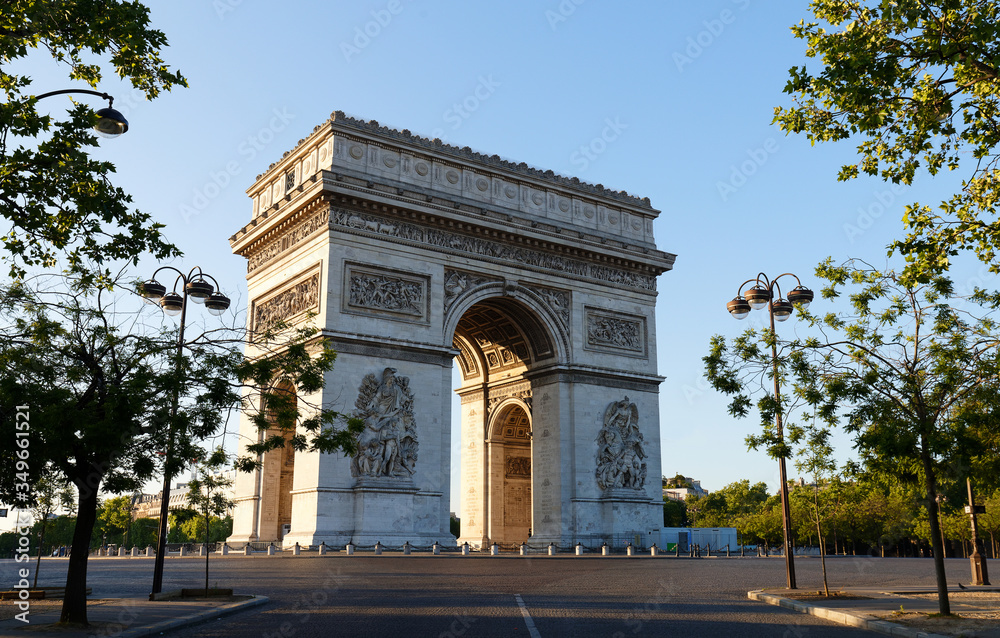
(110, 122)
(194, 286)
(761, 295)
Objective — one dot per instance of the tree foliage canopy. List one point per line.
(917, 82)
(55, 197)
(912, 368)
(98, 383)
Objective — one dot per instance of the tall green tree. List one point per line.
(207, 493)
(56, 199)
(900, 367)
(114, 516)
(93, 386)
(916, 83)
(51, 495)
(816, 460)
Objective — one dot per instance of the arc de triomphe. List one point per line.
(414, 255)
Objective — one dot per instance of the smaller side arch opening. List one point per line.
(509, 473)
(278, 476)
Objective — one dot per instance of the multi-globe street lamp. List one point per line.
(193, 286)
(110, 123)
(761, 295)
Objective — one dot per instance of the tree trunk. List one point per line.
(207, 553)
(930, 486)
(822, 545)
(74, 609)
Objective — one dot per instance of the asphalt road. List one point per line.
(534, 597)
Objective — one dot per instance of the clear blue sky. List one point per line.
(689, 88)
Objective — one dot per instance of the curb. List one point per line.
(841, 617)
(208, 614)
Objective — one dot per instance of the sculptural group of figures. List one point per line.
(620, 457)
(388, 444)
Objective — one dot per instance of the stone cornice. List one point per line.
(264, 234)
(341, 122)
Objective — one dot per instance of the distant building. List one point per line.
(148, 505)
(680, 487)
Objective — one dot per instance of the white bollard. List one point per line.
(183, 550)
(247, 550)
(494, 550)
(322, 548)
(465, 549)
(224, 550)
(121, 551)
(135, 551)
(524, 549)
(437, 548)
(202, 550)
(378, 548)
(654, 551)
(270, 549)
(579, 549)
(604, 549)
(552, 549)
(630, 551)
(406, 548)
(296, 551)
(350, 549)
(149, 550)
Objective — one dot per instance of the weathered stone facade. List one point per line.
(413, 255)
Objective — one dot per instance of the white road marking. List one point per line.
(528, 622)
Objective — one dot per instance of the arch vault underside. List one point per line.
(414, 257)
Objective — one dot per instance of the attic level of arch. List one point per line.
(493, 226)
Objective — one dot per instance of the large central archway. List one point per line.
(499, 340)
(412, 255)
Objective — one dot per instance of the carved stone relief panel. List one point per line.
(557, 300)
(287, 302)
(517, 466)
(396, 295)
(457, 283)
(387, 447)
(621, 453)
(615, 332)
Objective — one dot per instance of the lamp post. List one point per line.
(761, 294)
(196, 287)
(940, 499)
(980, 574)
(110, 123)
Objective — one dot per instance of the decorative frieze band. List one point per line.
(290, 301)
(295, 234)
(490, 249)
(615, 332)
(397, 295)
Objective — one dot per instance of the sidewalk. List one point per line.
(901, 611)
(126, 617)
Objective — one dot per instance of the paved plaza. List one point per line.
(451, 595)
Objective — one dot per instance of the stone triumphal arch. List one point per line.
(414, 255)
